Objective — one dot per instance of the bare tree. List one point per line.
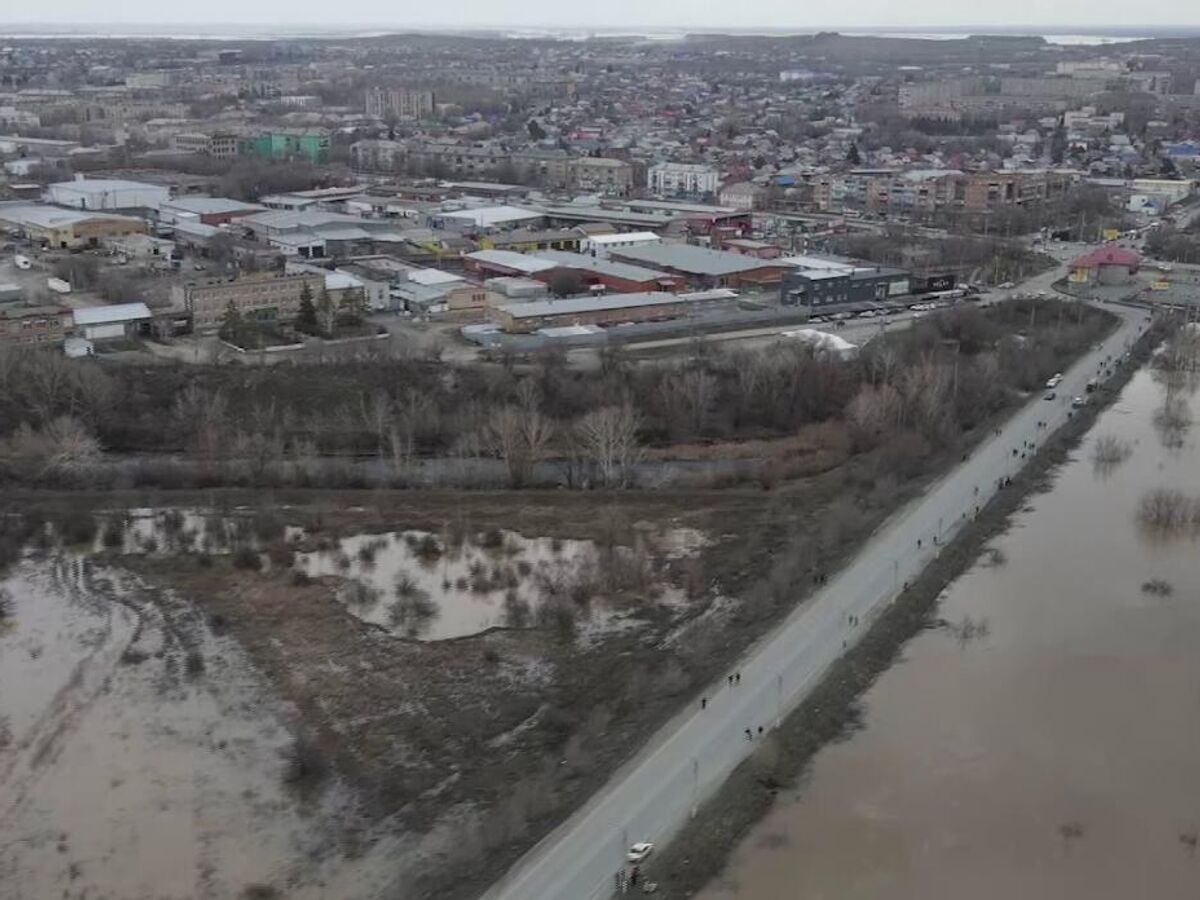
(520, 435)
(63, 444)
(609, 438)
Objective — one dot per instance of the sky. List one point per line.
(611, 14)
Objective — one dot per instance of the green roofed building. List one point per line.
(288, 143)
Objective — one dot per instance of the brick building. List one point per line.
(266, 298)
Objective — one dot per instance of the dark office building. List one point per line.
(825, 289)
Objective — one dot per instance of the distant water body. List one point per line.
(225, 32)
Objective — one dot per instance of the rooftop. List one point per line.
(538, 308)
(208, 205)
(608, 267)
(118, 312)
(493, 215)
(518, 262)
(634, 236)
(42, 216)
(694, 260)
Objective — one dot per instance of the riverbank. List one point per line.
(698, 853)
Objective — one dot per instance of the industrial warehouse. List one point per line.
(605, 309)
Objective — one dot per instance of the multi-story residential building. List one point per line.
(742, 195)
(218, 145)
(150, 81)
(266, 298)
(671, 179)
(288, 143)
(606, 176)
(382, 102)
(928, 191)
(18, 119)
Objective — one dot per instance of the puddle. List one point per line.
(134, 766)
(430, 586)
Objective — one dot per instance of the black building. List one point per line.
(829, 289)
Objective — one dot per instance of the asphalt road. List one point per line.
(690, 756)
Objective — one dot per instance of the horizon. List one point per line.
(119, 29)
(617, 16)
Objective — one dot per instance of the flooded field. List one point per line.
(1042, 742)
(180, 685)
(423, 585)
(138, 761)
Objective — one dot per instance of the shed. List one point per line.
(97, 323)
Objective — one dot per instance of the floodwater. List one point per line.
(419, 584)
(144, 757)
(1047, 744)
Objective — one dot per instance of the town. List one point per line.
(507, 464)
(189, 201)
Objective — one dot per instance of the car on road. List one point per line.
(639, 851)
(1078, 402)
(1054, 381)
(1050, 395)
(1007, 286)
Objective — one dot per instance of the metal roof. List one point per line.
(118, 312)
(518, 262)
(694, 260)
(492, 215)
(571, 305)
(612, 268)
(433, 276)
(636, 237)
(208, 205)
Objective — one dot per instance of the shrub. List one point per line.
(305, 767)
(193, 664)
(247, 558)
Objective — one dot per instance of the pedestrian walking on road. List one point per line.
(760, 731)
(704, 703)
(730, 679)
(749, 736)
(737, 678)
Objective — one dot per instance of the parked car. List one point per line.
(639, 851)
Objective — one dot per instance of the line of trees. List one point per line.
(917, 390)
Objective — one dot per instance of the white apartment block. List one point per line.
(669, 179)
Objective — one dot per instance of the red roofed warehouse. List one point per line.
(1105, 265)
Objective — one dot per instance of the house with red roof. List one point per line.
(1105, 265)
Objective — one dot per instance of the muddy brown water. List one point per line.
(1053, 753)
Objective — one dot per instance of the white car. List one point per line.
(639, 851)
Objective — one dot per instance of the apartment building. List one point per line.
(405, 103)
(928, 191)
(288, 143)
(268, 297)
(600, 175)
(670, 179)
(218, 145)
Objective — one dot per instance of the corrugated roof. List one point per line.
(118, 312)
(208, 205)
(694, 260)
(518, 262)
(492, 215)
(572, 305)
(433, 276)
(612, 268)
